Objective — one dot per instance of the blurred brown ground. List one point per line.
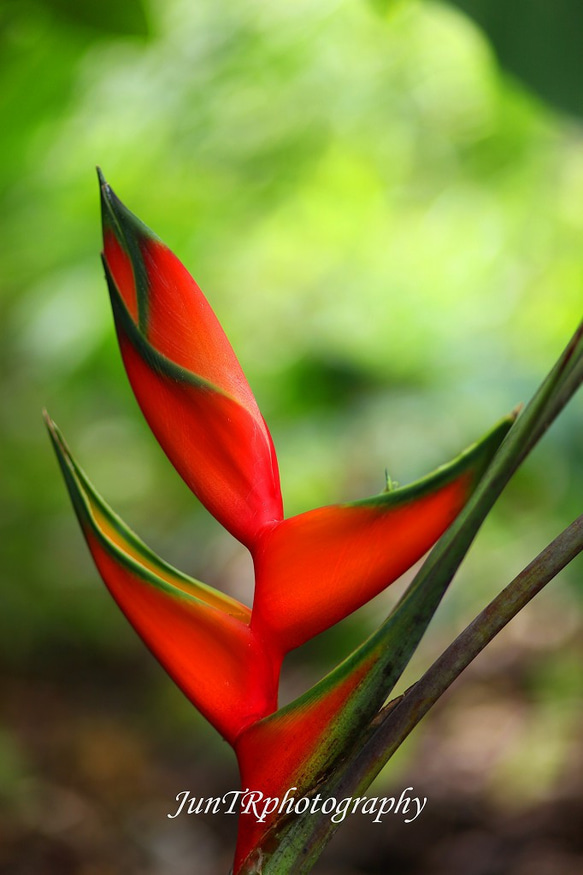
(92, 782)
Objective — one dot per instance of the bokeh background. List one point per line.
(383, 203)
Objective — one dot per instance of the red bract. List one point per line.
(316, 568)
(200, 636)
(293, 746)
(311, 570)
(187, 379)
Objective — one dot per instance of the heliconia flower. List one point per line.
(314, 569)
(187, 379)
(198, 403)
(311, 570)
(201, 636)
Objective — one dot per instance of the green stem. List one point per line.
(398, 719)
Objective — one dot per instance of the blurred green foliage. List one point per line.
(387, 226)
(537, 42)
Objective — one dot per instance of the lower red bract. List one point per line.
(276, 754)
(212, 657)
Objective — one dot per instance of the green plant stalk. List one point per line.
(397, 720)
(403, 629)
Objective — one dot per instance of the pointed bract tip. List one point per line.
(108, 217)
(53, 431)
(117, 217)
(50, 424)
(57, 439)
(105, 190)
